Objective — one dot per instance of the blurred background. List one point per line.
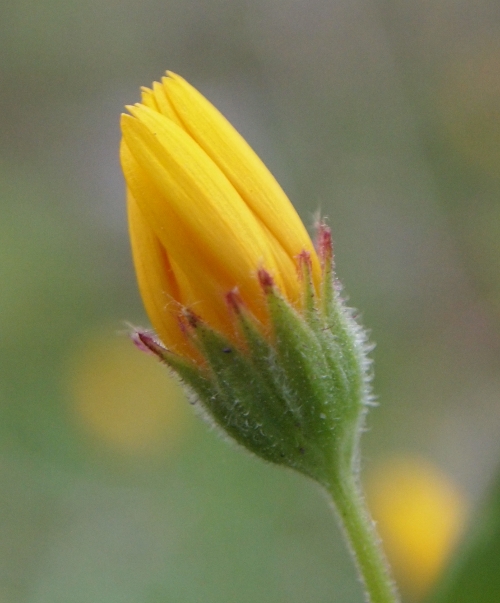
(384, 115)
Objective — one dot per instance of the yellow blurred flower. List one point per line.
(205, 214)
(419, 514)
(126, 401)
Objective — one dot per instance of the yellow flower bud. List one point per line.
(205, 214)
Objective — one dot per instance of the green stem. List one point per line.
(363, 540)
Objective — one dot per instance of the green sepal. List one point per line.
(345, 347)
(247, 405)
(195, 377)
(315, 377)
(295, 394)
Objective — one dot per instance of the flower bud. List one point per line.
(247, 312)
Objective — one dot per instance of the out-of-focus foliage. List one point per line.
(382, 114)
(474, 575)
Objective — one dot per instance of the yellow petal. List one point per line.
(197, 198)
(157, 282)
(288, 280)
(148, 99)
(164, 105)
(197, 287)
(244, 169)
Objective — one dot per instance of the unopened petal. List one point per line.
(157, 282)
(157, 100)
(148, 99)
(164, 104)
(244, 169)
(198, 287)
(195, 195)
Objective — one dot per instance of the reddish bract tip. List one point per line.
(304, 263)
(147, 343)
(136, 337)
(192, 319)
(234, 300)
(324, 244)
(181, 321)
(266, 280)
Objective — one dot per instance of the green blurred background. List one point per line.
(386, 117)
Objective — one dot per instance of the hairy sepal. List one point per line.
(294, 395)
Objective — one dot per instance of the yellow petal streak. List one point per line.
(148, 99)
(157, 281)
(244, 169)
(202, 292)
(195, 197)
(164, 104)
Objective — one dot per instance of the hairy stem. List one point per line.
(364, 543)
